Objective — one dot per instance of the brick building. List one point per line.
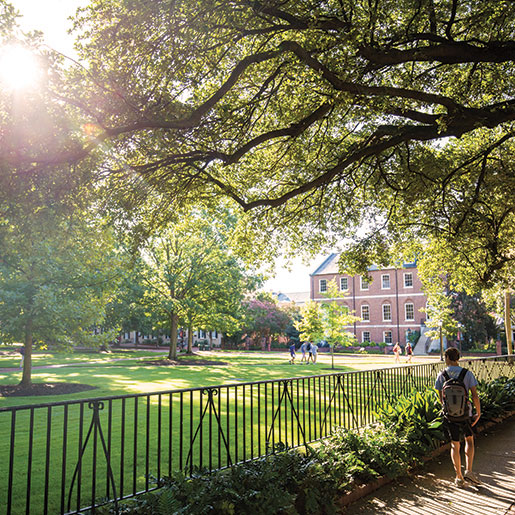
(389, 305)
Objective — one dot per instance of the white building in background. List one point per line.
(214, 337)
(297, 298)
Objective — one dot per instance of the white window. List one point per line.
(344, 283)
(408, 280)
(365, 313)
(385, 281)
(387, 337)
(364, 283)
(409, 311)
(323, 285)
(366, 337)
(387, 313)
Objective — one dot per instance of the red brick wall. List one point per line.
(396, 296)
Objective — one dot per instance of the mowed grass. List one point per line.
(152, 435)
(124, 372)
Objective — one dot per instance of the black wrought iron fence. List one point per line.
(68, 457)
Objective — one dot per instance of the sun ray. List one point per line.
(19, 67)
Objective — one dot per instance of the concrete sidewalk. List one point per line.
(431, 491)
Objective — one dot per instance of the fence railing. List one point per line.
(68, 457)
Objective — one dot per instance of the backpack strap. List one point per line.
(446, 375)
(462, 375)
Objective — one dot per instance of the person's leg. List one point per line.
(456, 458)
(469, 452)
(469, 456)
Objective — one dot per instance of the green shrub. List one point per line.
(416, 417)
(496, 397)
(354, 456)
(287, 482)
(290, 482)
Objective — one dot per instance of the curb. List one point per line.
(363, 490)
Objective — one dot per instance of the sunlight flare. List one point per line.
(19, 67)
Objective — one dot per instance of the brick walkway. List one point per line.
(431, 490)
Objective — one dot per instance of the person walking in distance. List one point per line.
(409, 352)
(308, 349)
(314, 352)
(292, 353)
(454, 384)
(303, 350)
(397, 351)
(22, 352)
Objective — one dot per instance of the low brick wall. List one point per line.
(363, 490)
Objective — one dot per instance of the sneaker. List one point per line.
(459, 482)
(470, 476)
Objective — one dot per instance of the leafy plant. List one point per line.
(417, 417)
(496, 397)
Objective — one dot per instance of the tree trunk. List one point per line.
(441, 344)
(507, 322)
(190, 340)
(174, 325)
(26, 379)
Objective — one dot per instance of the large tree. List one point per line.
(311, 116)
(56, 274)
(191, 275)
(334, 113)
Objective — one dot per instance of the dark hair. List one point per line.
(452, 353)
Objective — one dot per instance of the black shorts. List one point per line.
(456, 429)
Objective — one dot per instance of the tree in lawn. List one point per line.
(440, 314)
(476, 324)
(335, 318)
(186, 265)
(311, 324)
(334, 114)
(264, 319)
(327, 320)
(216, 301)
(56, 275)
(127, 310)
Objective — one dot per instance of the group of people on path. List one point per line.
(397, 350)
(309, 352)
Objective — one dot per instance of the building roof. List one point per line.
(300, 297)
(330, 266)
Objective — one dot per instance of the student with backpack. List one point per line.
(454, 384)
(292, 353)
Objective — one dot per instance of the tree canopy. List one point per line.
(334, 114)
(314, 117)
(190, 276)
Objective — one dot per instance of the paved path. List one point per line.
(431, 490)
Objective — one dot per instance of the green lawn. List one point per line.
(155, 433)
(130, 376)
